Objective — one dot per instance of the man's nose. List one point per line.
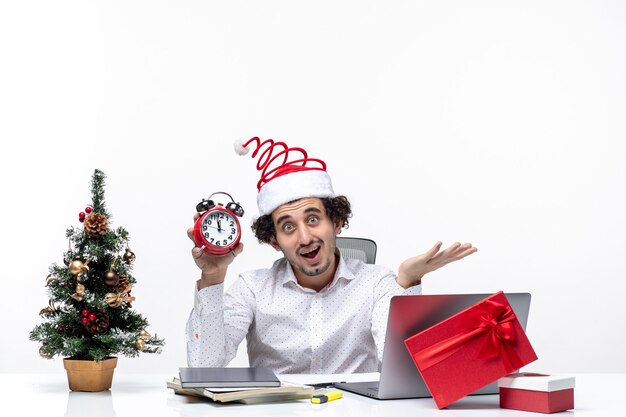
(304, 235)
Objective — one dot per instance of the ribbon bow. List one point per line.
(492, 322)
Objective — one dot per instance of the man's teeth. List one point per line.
(309, 252)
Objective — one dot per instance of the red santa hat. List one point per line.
(287, 174)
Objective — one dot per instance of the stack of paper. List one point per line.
(246, 395)
(246, 385)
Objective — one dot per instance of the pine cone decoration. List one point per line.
(123, 286)
(99, 325)
(96, 225)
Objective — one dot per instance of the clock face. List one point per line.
(220, 228)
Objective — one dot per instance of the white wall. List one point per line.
(497, 123)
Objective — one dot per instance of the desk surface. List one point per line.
(143, 395)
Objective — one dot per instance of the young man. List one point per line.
(313, 311)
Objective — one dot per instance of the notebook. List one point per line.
(227, 378)
(408, 315)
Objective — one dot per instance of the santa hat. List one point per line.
(287, 174)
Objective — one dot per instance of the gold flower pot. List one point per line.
(91, 376)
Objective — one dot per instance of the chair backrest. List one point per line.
(358, 248)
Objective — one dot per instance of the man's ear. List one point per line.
(274, 244)
(338, 227)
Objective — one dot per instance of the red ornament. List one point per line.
(60, 328)
(84, 320)
(85, 312)
(88, 209)
(92, 317)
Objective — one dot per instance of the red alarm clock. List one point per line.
(217, 230)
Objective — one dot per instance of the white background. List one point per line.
(492, 122)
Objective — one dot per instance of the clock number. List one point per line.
(230, 237)
(204, 227)
(232, 223)
(225, 242)
(209, 222)
(206, 235)
(212, 240)
(218, 243)
(233, 231)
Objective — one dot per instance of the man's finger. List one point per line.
(465, 253)
(197, 252)
(453, 248)
(239, 248)
(433, 251)
(446, 253)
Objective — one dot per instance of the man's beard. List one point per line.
(316, 271)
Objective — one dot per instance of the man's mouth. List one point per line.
(311, 253)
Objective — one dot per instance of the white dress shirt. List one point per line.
(291, 329)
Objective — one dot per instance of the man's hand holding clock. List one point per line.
(213, 267)
(216, 233)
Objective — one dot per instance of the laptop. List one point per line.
(408, 315)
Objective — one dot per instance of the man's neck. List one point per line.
(317, 282)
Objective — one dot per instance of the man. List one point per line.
(313, 311)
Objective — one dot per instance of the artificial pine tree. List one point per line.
(89, 315)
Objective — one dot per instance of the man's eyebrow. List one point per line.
(282, 219)
(286, 217)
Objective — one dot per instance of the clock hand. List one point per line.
(219, 226)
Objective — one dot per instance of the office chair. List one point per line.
(358, 248)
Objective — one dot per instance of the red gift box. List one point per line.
(470, 349)
(537, 392)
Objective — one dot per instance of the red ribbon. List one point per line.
(489, 320)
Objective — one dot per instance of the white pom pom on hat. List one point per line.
(287, 174)
(240, 149)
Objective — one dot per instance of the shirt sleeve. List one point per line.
(386, 288)
(218, 323)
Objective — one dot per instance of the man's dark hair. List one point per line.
(337, 209)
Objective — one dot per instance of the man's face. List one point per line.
(306, 236)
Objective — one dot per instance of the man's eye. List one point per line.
(313, 219)
(288, 227)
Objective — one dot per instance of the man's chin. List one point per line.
(313, 271)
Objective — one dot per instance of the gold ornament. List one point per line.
(115, 300)
(77, 267)
(144, 335)
(112, 299)
(48, 310)
(50, 279)
(42, 352)
(140, 344)
(80, 292)
(129, 256)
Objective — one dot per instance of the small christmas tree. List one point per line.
(89, 315)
